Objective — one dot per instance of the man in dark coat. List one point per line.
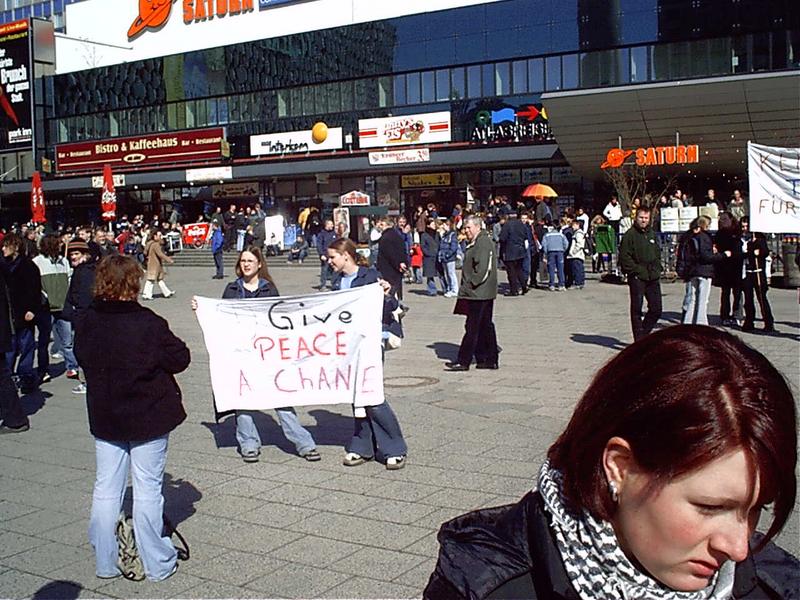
(228, 219)
(476, 296)
(80, 294)
(24, 286)
(429, 242)
(392, 256)
(513, 248)
(324, 239)
(640, 259)
(14, 418)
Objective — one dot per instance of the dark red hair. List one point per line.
(683, 397)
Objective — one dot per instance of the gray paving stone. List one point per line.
(274, 514)
(75, 534)
(169, 588)
(39, 521)
(375, 563)
(225, 505)
(12, 510)
(370, 531)
(361, 587)
(285, 581)
(16, 584)
(316, 551)
(14, 543)
(46, 558)
(418, 576)
(233, 567)
(213, 589)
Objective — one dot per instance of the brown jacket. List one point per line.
(155, 258)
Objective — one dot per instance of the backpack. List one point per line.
(687, 257)
(128, 560)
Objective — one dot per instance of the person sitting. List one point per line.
(298, 251)
(653, 490)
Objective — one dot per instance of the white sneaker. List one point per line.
(57, 356)
(79, 389)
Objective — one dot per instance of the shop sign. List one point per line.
(506, 177)
(669, 219)
(428, 128)
(119, 180)
(294, 142)
(354, 199)
(565, 175)
(153, 14)
(425, 180)
(399, 157)
(523, 124)
(234, 190)
(535, 174)
(16, 129)
(178, 146)
(209, 174)
(654, 155)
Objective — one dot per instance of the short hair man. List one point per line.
(640, 259)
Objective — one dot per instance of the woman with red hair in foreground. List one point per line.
(653, 491)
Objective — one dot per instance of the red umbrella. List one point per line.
(37, 199)
(108, 200)
(539, 190)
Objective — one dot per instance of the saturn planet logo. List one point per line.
(152, 15)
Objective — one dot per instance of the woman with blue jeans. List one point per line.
(448, 250)
(134, 403)
(254, 281)
(554, 245)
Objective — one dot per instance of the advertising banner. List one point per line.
(209, 174)
(428, 128)
(160, 148)
(294, 142)
(774, 175)
(295, 351)
(399, 157)
(354, 199)
(425, 180)
(16, 131)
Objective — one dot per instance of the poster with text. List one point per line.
(774, 175)
(16, 130)
(295, 350)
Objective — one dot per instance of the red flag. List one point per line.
(108, 200)
(37, 199)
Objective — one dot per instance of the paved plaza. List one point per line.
(287, 528)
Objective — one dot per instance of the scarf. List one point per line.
(595, 564)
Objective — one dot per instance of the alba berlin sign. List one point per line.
(153, 14)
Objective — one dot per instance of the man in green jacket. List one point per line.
(640, 259)
(476, 299)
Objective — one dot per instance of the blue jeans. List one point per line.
(298, 256)
(240, 233)
(555, 262)
(22, 345)
(378, 430)
(44, 326)
(526, 267)
(695, 302)
(250, 441)
(219, 263)
(62, 341)
(578, 271)
(325, 274)
(145, 461)
(450, 276)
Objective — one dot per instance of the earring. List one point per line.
(612, 488)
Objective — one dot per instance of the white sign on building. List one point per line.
(427, 128)
(399, 157)
(294, 142)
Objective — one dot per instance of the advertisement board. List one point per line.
(427, 128)
(16, 130)
(160, 148)
(354, 198)
(294, 142)
(425, 180)
(399, 157)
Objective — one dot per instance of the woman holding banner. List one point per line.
(254, 281)
(378, 423)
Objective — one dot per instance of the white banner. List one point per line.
(295, 350)
(294, 142)
(403, 130)
(774, 175)
(396, 157)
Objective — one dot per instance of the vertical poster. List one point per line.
(16, 131)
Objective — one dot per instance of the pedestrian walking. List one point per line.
(640, 259)
(392, 261)
(155, 259)
(513, 240)
(134, 403)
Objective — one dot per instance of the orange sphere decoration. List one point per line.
(319, 133)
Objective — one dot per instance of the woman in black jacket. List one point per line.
(652, 492)
(728, 273)
(134, 403)
(754, 285)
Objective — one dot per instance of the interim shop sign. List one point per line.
(178, 146)
(654, 155)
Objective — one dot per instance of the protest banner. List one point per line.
(774, 175)
(295, 350)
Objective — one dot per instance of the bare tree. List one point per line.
(631, 181)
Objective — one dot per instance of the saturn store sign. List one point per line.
(179, 146)
(657, 155)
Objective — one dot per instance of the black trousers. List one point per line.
(480, 337)
(640, 290)
(755, 286)
(514, 273)
(10, 407)
(726, 310)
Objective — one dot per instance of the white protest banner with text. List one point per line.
(295, 350)
(774, 175)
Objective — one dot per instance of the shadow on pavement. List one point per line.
(61, 589)
(34, 401)
(444, 350)
(599, 340)
(180, 497)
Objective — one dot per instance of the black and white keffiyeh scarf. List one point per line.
(596, 565)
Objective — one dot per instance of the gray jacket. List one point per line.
(479, 272)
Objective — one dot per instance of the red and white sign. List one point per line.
(108, 199)
(399, 157)
(195, 234)
(428, 128)
(178, 146)
(37, 199)
(354, 199)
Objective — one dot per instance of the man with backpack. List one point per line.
(695, 265)
(640, 259)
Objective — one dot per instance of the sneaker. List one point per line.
(79, 389)
(170, 295)
(562, 289)
(56, 357)
(351, 459)
(395, 463)
(6, 429)
(312, 455)
(251, 456)
(45, 378)
(71, 374)
(552, 288)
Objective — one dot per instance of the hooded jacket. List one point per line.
(509, 552)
